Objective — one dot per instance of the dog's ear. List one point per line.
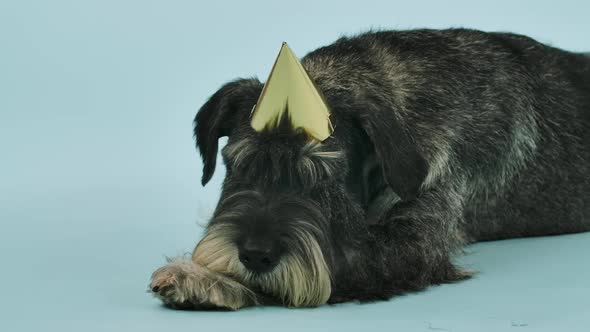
(220, 115)
(403, 167)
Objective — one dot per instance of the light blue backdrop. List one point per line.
(99, 178)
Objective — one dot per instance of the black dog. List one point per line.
(442, 138)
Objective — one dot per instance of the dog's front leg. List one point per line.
(409, 249)
(183, 284)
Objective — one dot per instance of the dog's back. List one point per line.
(550, 193)
(504, 117)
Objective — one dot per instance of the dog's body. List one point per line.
(441, 138)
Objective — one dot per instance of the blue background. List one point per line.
(99, 178)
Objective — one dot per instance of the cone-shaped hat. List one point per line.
(290, 87)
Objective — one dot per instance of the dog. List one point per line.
(441, 138)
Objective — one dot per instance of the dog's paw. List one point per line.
(181, 284)
(167, 284)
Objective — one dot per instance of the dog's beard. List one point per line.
(300, 279)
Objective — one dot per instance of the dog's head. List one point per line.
(289, 203)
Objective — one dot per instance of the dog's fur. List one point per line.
(442, 138)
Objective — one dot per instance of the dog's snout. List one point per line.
(259, 256)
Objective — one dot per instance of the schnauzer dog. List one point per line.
(441, 138)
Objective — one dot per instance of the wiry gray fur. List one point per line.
(442, 138)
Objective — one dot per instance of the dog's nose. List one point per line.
(258, 256)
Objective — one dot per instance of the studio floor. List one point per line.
(100, 180)
(92, 275)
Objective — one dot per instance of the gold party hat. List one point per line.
(289, 87)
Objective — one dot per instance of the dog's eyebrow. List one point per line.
(314, 149)
(314, 161)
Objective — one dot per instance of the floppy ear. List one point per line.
(403, 167)
(220, 115)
